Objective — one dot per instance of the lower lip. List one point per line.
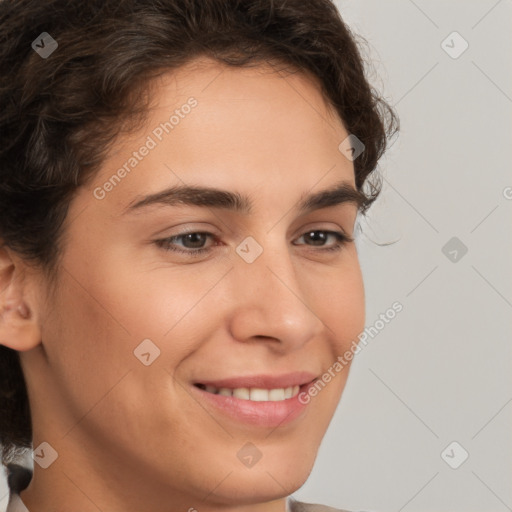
(262, 414)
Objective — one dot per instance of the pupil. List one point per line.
(197, 237)
(318, 238)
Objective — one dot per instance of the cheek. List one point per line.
(103, 312)
(90, 337)
(149, 294)
(88, 348)
(343, 305)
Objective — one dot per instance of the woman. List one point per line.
(179, 187)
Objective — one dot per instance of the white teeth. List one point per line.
(256, 394)
(259, 395)
(242, 393)
(276, 394)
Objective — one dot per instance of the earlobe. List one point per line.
(23, 310)
(18, 326)
(17, 329)
(11, 305)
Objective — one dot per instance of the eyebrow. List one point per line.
(340, 193)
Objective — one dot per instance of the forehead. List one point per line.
(264, 98)
(252, 129)
(214, 79)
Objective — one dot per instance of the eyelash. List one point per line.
(165, 243)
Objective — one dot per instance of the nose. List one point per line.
(271, 301)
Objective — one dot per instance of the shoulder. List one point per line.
(16, 505)
(18, 478)
(299, 506)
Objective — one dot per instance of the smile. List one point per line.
(260, 400)
(254, 394)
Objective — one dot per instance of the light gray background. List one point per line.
(440, 371)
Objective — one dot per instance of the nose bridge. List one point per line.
(269, 300)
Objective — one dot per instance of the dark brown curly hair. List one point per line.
(59, 115)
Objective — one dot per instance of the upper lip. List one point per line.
(263, 381)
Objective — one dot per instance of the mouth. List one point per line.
(259, 388)
(265, 401)
(253, 394)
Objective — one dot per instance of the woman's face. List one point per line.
(136, 330)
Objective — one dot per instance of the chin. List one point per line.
(273, 477)
(248, 487)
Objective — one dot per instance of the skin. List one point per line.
(131, 437)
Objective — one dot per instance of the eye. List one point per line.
(340, 237)
(195, 239)
(193, 242)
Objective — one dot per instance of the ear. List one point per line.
(19, 328)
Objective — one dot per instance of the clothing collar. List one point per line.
(17, 505)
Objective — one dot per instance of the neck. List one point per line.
(78, 481)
